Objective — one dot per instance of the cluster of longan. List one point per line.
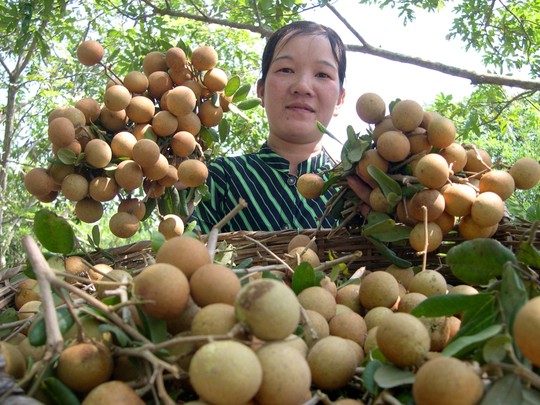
(140, 139)
(457, 184)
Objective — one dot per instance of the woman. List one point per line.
(302, 75)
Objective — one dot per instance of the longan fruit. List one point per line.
(123, 225)
(428, 282)
(487, 209)
(215, 79)
(349, 325)
(158, 170)
(526, 330)
(61, 132)
(183, 143)
(128, 175)
(469, 229)
(375, 315)
(310, 185)
(204, 57)
(132, 206)
(409, 301)
(477, 162)
(171, 225)
(318, 299)
(75, 187)
(186, 253)
(190, 123)
(117, 97)
(417, 237)
(98, 153)
(175, 58)
(90, 108)
(181, 101)
(164, 288)
(170, 178)
(407, 115)
(210, 114)
(88, 210)
(371, 108)
(393, 146)
(217, 318)
(441, 132)
(526, 173)
(455, 155)
(136, 82)
(458, 199)
(140, 110)
(500, 182)
(370, 157)
(122, 144)
(381, 127)
(432, 199)
(432, 170)
(114, 392)
(158, 83)
(37, 181)
(102, 188)
(164, 123)
(213, 282)
(378, 289)
(192, 172)
(90, 52)
(154, 61)
(145, 152)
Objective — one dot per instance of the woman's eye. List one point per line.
(324, 75)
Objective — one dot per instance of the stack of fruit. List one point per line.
(143, 142)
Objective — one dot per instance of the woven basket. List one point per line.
(246, 245)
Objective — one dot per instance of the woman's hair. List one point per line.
(297, 28)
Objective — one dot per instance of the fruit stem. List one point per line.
(213, 236)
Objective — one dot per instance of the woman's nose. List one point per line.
(302, 85)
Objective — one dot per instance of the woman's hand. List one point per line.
(362, 190)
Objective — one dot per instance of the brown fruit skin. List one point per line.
(458, 198)
(215, 79)
(98, 153)
(432, 170)
(166, 286)
(192, 173)
(61, 132)
(112, 392)
(204, 58)
(499, 181)
(432, 199)
(27, 290)
(136, 82)
(393, 146)
(349, 325)
(407, 115)
(90, 53)
(318, 299)
(332, 362)
(417, 237)
(526, 330)
(428, 282)
(170, 226)
(487, 209)
(441, 132)
(526, 173)
(225, 373)
(268, 308)
(154, 61)
(213, 319)
(370, 157)
(123, 225)
(371, 108)
(140, 110)
(83, 366)
(403, 339)
(477, 163)
(378, 289)
(146, 152)
(89, 210)
(286, 375)
(447, 381)
(310, 185)
(210, 114)
(90, 107)
(75, 187)
(455, 155)
(213, 283)
(183, 143)
(184, 252)
(38, 182)
(14, 359)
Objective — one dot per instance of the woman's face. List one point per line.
(301, 88)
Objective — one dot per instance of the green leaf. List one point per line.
(389, 253)
(504, 391)
(241, 93)
(168, 202)
(232, 86)
(368, 376)
(67, 156)
(513, 294)
(7, 315)
(54, 232)
(154, 329)
(465, 344)
(478, 261)
(530, 396)
(224, 129)
(96, 235)
(528, 254)
(150, 204)
(120, 335)
(248, 104)
(303, 277)
(388, 376)
(58, 392)
(386, 183)
(450, 304)
(495, 348)
(37, 334)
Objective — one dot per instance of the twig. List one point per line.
(44, 275)
(213, 236)
(279, 259)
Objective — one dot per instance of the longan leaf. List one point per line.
(304, 277)
(465, 344)
(224, 129)
(7, 316)
(449, 304)
(389, 253)
(37, 335)
(154, 329)
(386, 183)
(248, 104)
(388, 376)
(368, 377)
(232, 86)
(58, 392)
(478, 261)
(495, 348)
(150, 204)
(54, 232)
(528, 254)
(241, 93)
(513, 294)
(67, 156)
(119, 334)
(505, 390)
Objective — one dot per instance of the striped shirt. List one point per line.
(262, 179)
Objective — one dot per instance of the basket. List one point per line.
(247, 246)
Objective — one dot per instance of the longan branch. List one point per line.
(213, 236)
(45, 276)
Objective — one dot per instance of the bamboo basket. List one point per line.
(260, 248)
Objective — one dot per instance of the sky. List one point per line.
(424, 38)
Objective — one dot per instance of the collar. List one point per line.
(278, 163)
